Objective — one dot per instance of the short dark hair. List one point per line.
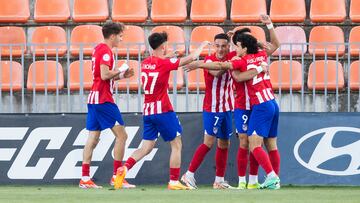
(112, 28)
(222, 36)
(157, 38)
(239, 32)
(249, 42)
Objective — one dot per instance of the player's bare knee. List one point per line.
(223, 144)
(270, 144)
(244, 142)
(209, 140)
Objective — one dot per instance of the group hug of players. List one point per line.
(237, 82)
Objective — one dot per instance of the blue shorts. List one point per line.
(242, 118)
(167, 125)
(264, 119)
(103, 116)
(218, 124)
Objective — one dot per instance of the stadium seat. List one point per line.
(90, 10)
(287, 11)
(321, 71)
(322, 37)
(45, 75)
(168, 11)
(331, 11)
(202, 33)
(354, 40)
(12, 35)
(291, 34)
(246, 11)
(134, 80)
(50, 40)
(133, 36)
(85, 37)
(282, 73)
(134, 11)
(176, 37)
(15, 11)
(256, 31)
(355, 11)
(354, 78)
(51, 11)
(14, 69)
(74, 80)
(213, 11)
(179, 80)
(196, 80)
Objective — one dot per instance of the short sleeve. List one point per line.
(105, 58)
(172, 63)
(239, 65)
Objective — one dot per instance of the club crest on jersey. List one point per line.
(244, 127)
(173, 60)
(215, 130)
(106, 57)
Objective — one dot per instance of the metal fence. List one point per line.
(30, 100)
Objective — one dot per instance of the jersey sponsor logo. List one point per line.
(106, 57)
(330, 150)
(37, 152)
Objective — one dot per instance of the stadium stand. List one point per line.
(286, 75)
(293, 35)
(287, 11)
(354, 11)
(202, 33)
(176, 37)
(326, 40)
(134, 11)
(354, 40)
(322, 74)
(354, 76)
(179, 80)
(196, 80)
(331, 11)
(85, 37)
(13, 70)
(133, 41)
(256, 31)
(211, 11)
(168, 11)
(90, 10)
(55, 11)
(74, 79)
(15, 12)
(247, 11)
(45, 73)
(15, 36)
(49, 40)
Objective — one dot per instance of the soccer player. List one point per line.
(158, 115)
(102, 111)
(264, 115)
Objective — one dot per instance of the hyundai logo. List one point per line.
(325, 151)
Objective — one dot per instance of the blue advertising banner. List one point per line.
(316, 149)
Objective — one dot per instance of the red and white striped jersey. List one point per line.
(155, 82)
(219, 96)
(259, 91)
(101, 90)
(242, 99)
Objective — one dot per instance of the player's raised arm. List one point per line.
(193, 56)
(247, 75)
(274, 41)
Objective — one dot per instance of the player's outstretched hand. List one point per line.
(265, 67)
(129, 73)
(230, 33)
(191, 66)
(265, 19)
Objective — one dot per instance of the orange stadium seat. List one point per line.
(196, 80)
(45, 75)
(85, 37)
(256, 31)
(176, 37)
(282, 73)
(179, 79)
(14, 69)
(133, 36)
(202, 33)
(322, 37)
(247, 11)
(51, 11)
(90, 10)
(291, 34)
(321, 71)
(355, 75)
(15, 11)
(74, 80)
(355, 11)
(168, 11)
(213, 11)
(130, 11)
(134, 80)
(287, 11)
(12, 35)
(43, 38)
(354, 40)
(331, 11)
